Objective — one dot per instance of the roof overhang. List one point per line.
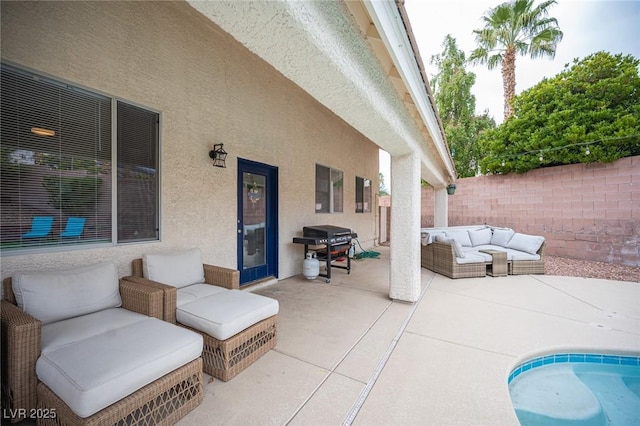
(354, 57)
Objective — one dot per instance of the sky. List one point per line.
(589, 26)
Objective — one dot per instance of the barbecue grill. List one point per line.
(330, 244)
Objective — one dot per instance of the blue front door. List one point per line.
(257, 221)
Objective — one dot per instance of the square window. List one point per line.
(329, 190)
(363, 195)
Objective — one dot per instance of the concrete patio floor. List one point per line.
(347, 353)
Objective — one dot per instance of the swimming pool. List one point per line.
(577, 389)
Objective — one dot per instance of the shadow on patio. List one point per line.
(444, 360)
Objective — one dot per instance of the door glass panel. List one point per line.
(253, 219)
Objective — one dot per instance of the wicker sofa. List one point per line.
(238, 327)
(459, 251)
(81, 347)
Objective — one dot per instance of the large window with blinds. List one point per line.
(77, 167)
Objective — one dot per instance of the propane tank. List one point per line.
(311, 266)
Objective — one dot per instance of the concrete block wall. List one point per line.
(584, 211)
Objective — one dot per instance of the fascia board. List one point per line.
(393, 33)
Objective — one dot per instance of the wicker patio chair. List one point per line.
(444, 262)
(161, 402)
(426, 256)
(222, 359)
(528, 267)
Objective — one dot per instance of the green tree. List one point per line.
(515, 28)
(590, 112)
(72, 195)
(382, 190)
(456, 105)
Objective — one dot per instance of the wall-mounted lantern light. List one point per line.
(218, 155)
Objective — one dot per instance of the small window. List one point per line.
(329, 190)
(363, 195)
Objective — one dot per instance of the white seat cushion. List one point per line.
(57, 295)
(511, 253)
(520, 255)
(94, 372)
(470, 258)
(227, 313)
(196, 291)
(73, 330)
(468, 251)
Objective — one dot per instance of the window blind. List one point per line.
(57, 169)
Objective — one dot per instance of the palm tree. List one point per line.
(515, 27)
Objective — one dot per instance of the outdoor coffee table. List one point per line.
(498, 266)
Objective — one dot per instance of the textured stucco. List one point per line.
(315, 44)
(404, 281)
(209, 89)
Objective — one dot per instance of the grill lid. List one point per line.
(324, 230)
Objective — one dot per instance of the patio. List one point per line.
(346, 353)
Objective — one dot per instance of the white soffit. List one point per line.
(316, 45)
(387, 19)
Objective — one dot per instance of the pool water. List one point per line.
(577, 389)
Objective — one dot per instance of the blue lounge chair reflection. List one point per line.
(40, 227)
(74, 227)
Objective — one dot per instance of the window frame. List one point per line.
(114, 101)
(331, 193)
(366, 197)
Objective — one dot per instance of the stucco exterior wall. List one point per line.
(209, 89)
(584, 211)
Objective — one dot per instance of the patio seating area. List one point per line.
(347, 354)
(443, 360)
(481, 250)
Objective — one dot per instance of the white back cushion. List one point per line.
(460, 236)
(526, 243)
(457, 247)
(178, 269)
(480, 237)
(501, 237)
(57, 295)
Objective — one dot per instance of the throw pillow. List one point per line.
(501, 236)
(480, 237)
(527, 243)
(457, 247)
(178, 269)
(433, 235)
(57, 295)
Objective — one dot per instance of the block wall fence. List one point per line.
(584, 211)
